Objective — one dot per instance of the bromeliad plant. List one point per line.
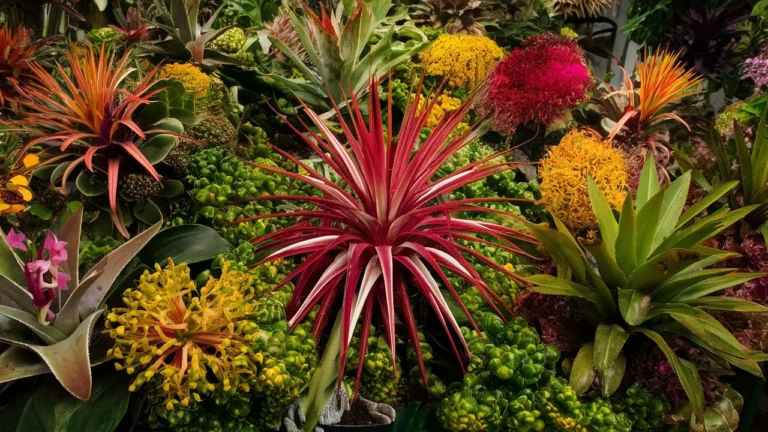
(187, 39)
(49, 327)
(651, 278)
(381, 232)
(17, 52)
(338, 48)
(90, 114)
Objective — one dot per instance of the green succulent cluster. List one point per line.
(92, 250)
(511, 384)
(215, 131)
(644, 410)
(435, 386)
(289, 361)
(231, 41)
(105, 35)
(378, 381)
(217, 177)
(223, 415)
(401, 91)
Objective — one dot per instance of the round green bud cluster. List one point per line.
(215, 131)
(139, 187)
(400, 93)
(434, 385)
(560, 405)
(289, 360)
(377, 382)
(258, 148)
(473, 409)
(522, 413)
(227, 414)
(217, 178)
(230, 42)
(105, 35)
(93, 250)
(599, 416)
(644, 410)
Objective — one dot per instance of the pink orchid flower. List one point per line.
(17, 240)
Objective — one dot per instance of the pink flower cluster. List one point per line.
(756, 69)
(536, 83)
(42, 272)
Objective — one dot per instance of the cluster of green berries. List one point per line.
(214, 415)
(230, 42)
(215, 131)
(377, 381)
(217, 178)
(644, 410)
(400, 92)
(434, 385)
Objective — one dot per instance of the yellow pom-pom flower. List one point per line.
(442, 106)
(564, 171)
(195, 81)
(187, 343)
(463, 60)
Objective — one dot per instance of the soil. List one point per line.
(357, 416)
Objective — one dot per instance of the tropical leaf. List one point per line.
(609, 341)
(609, 229)
(583, 370)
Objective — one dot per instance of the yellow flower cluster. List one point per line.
(195, 81)
(15, 193)
(463, 60)
(178, 338)
(564, 171)
(443, 106)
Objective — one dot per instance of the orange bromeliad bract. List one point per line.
(663, 81)
(16, 58)
(88, 114)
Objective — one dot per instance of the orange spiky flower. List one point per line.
(88, 113)
(663, 80)
(16, 56)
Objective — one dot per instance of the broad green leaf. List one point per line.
(17, 363)
(686, 372)
(42, 211)
(583, 370)
(153, 113)
(760, 154)
(185, 243)
(609, 341)
(147, 212)
(48, 410)
(660, 268)
(114, 263)
(727, 304)
(648, 224)
(171, 188)
(671, 207)
(702, 324)
(671, 287)
(170, 124)
(322, 385)
(649, 182)
(746, 364)
(17, 295)
(550, 285)
(58, 172)
(609, 228)
(714, 284)
(626, 241)
(634, 306)
(48, 334)
(705, 228)
(606, 263)
(611, 377)
(155, 149)
(705, 202)
(106, 406)
(88, 187)
(564, 251)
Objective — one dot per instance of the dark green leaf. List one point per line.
(157, 148)
(147, 212)
(606, 263)
(170, 124)
(171, 189)
(185, 243)
(153, 113)
(727, 304)
(714, 284)
(550, 285)
(89, 187)
(564, 251)
(42, 211)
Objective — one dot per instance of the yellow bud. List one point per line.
(169, 406)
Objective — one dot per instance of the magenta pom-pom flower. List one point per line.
(381, 232)
(536, 84)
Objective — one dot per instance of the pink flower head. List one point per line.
(756, 69)
(35, 273)
(17, 240)
(536, 83)
(57, 250)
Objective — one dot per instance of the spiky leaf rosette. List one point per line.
(378, 232)
(580, 8)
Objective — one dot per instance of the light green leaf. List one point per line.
(609, 228)
(671, 207)
(565, 252)
(634, 306)
(611, 377)
(101, 4)
(649, 182)
(48, 334)
(660, 268)
(714, 284)
(648, 217)
(550, 285)
(686, 372)
(609, 341)
(322, 385)
(583, 370)
(609, 270)
(705, 202)
(626, 241)
(727, 304)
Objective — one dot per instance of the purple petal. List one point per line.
(16, 240)
(63, 278)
